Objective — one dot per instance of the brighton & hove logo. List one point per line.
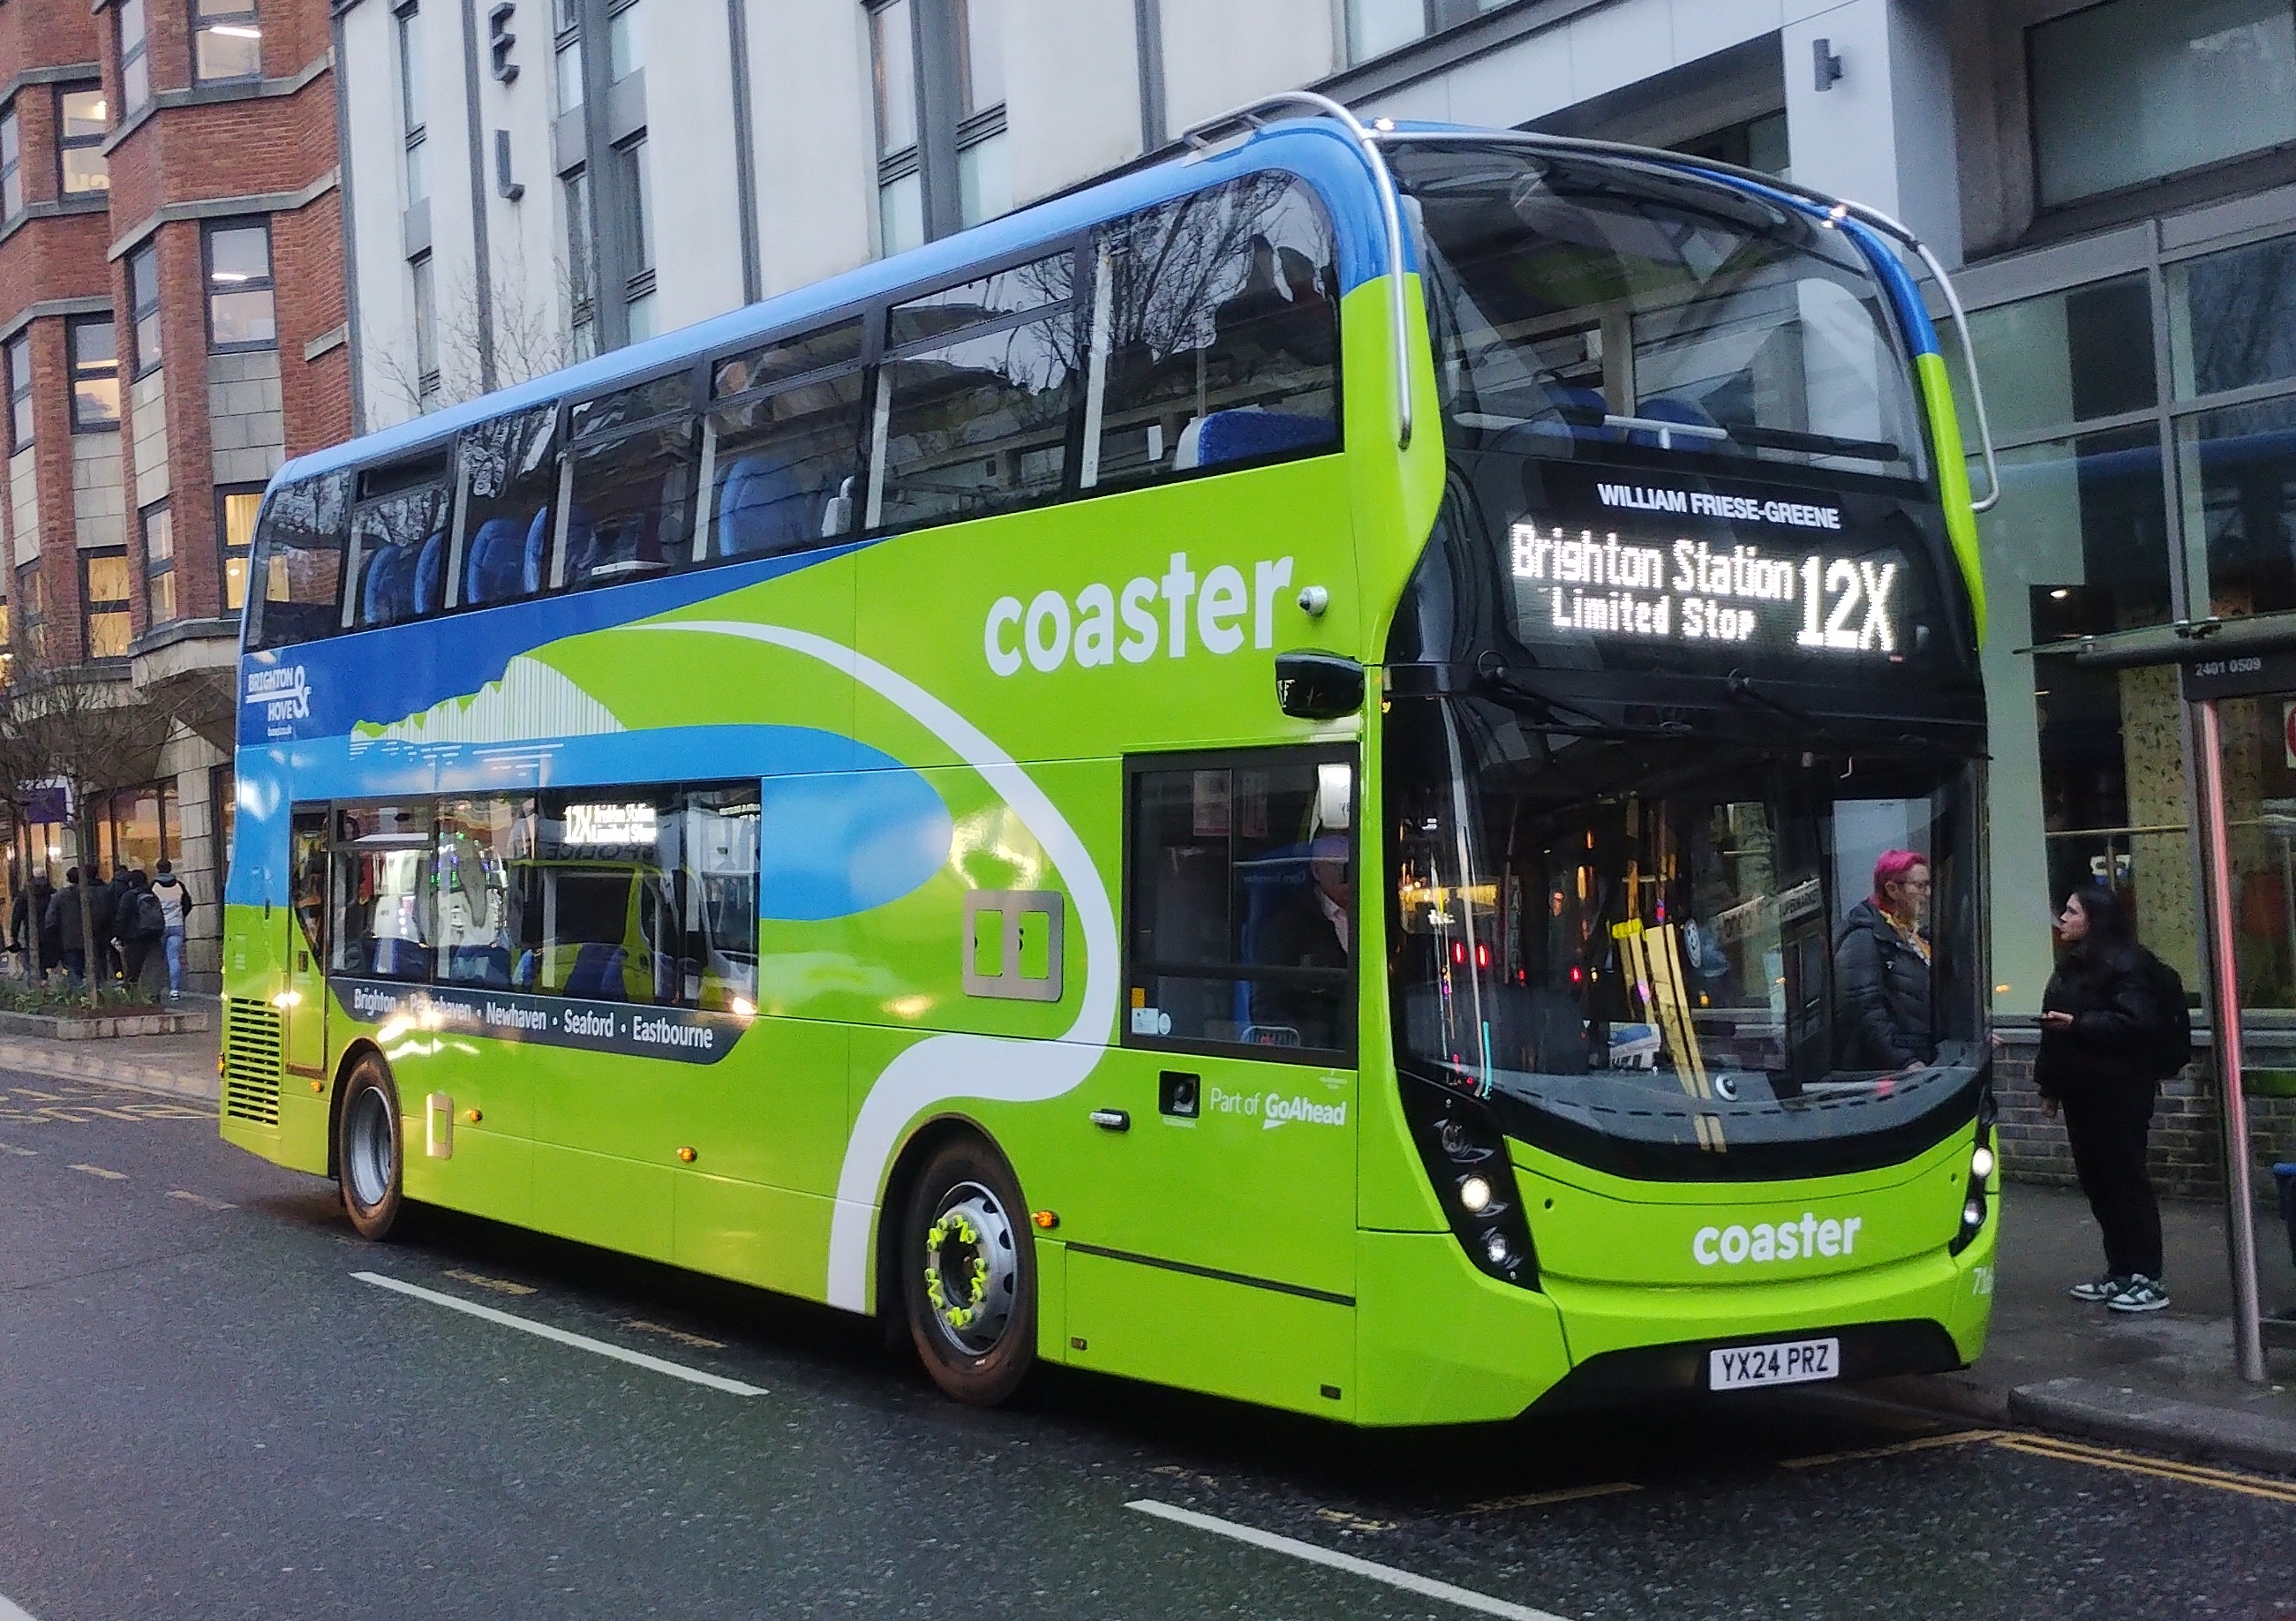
(283, 691)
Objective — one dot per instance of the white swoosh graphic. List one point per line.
(1000, 1069)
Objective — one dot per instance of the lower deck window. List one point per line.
(1240, 922)
(643, 895)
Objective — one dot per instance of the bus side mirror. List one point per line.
(1319, 686)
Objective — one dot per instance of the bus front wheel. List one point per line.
(367, 1148)
(969, 1274)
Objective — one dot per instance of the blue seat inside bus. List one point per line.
(431, 576)
(1220, 437)
(598, 972)
(762, 509)
(386, 590)
(496, 567)
(480, 966)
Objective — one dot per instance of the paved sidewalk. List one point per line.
(181, 1066)
(2163, 1382)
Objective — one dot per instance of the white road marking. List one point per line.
(200, 1199)
(580, 1342)
(10, 1612)
(1426, 1587)
(109, 1176)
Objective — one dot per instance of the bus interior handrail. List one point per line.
(1202, 135)
(1834, 208)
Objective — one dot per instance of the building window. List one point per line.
(1376, 27)
(581, 265)
(144, 305)
(900, 180)
(426, 328)
(2135, 90)
(410, 85)
(235, 515)
(12, 164)
(20, 393)
(31, 598)
(160, 565)
(135, 60)
(625, 44)
(240, 308)
(94, 348)
(984, 167)
(227, 41)
(568, 16)
(634, 200)
(104, 602)
(81, 125)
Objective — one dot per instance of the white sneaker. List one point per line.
(2141, 1294)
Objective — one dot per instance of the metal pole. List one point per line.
(2240, 1217)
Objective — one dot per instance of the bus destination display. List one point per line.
(1628, 578)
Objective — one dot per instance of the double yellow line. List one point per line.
(2073, 1452)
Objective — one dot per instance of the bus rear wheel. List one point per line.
(368, 1144)
(969, 1274)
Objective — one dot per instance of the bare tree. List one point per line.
(529, 323)
(81, 727)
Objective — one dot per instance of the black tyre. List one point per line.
(969, 1273)
(369, 1145)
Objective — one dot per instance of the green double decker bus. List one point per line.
(1259, 776)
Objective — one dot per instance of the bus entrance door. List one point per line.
(305, 957)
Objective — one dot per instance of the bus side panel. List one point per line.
(1209, 1334)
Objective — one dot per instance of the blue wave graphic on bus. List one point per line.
(398, 670)
(844, 827)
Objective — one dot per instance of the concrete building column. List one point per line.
(1883, 132)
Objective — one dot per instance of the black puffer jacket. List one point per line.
(2116, 1016)
(1881, 994)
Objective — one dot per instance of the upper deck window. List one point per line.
(1222, 341)
(635, 457)
(1584, 308)
(298, 550)
(978, 420)
(784, 444)
(398, 538)
(511, 488)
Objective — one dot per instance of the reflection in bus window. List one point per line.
(978, 424)
(785, 466)
(511, 481)
(477, 926)
(399, 544)
(1223, 335)
(381, 902)
(622, 894)
(1243, 903)
(632, 493)
(299, 557)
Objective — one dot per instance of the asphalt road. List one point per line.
(211, 1412)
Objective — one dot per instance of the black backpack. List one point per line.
(2168, 1047)
(150, 919)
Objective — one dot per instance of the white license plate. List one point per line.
(1794, 1362)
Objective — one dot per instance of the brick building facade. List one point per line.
(172, 326)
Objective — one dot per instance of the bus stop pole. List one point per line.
(2240, 1214)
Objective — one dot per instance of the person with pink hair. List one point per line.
(1881, 1013)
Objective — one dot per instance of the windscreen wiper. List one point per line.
(1494, 673)
(1741, 687)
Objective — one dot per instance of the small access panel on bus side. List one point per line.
(1210, 1226)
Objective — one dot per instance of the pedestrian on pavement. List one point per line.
(1881, 969)
(24, 927)
(122, 886)
(140, 926)
(2101, 1022)
(42, 917)
(176, 911)
(71, 922)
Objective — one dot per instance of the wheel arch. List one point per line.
(920, 1146)
(358, 1050)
